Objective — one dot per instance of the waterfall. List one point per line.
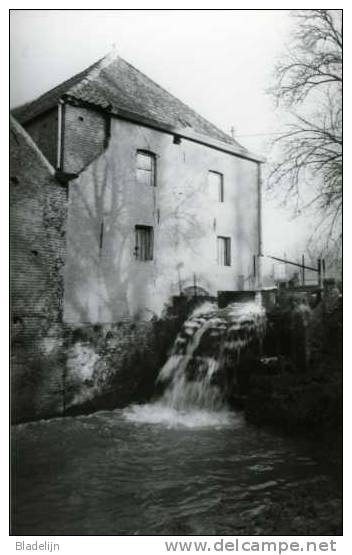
(201, 368)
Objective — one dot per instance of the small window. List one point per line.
(224, 251)
(146, 168)
(216, 186)
(144, 242)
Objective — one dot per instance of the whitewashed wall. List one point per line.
(108, 284)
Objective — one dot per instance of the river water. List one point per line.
(113, 473)
(183, 464)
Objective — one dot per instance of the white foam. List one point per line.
(156, 413)
(204, 308)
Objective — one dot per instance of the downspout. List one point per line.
(259, 217)
(60, 124)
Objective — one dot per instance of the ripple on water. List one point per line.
(150, 469)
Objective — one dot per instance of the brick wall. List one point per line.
(84, 137)
(37, 248)
(43, 131)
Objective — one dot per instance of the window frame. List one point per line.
(220, 193)
(148, 250)
(227, 251)
(152, 171)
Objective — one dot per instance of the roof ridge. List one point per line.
(93, 72)
(181, 102)
(125, 87)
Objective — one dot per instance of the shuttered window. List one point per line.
(144, 242)
(145, 162)
(216, 186)
(224, 251)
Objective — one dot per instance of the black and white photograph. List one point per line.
(175, 187)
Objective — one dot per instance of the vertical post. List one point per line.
(303, 274)
(195, 284)
(260, 240)
(323, 264)
(64, 376)
(319, 273)
(60, 120)
(254, 270)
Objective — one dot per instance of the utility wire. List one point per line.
(260, 134)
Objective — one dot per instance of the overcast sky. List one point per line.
(220, 62)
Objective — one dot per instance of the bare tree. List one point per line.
(309, 81)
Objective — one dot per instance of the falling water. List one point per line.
(198, 375)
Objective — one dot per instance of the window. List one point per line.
(144, 242)
(216, 186)
(146, 168)
(224, 251)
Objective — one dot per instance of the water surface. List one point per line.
(153, 470)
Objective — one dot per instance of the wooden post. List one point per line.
(260, 234)
(195, 284)
(323, 263)
(319, 273)
(254, 271)
(303, 275)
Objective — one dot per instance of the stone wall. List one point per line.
(111, 366)
(73, 370)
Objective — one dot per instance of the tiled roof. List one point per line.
(48, 100)
(25, 155)
(114, 84)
